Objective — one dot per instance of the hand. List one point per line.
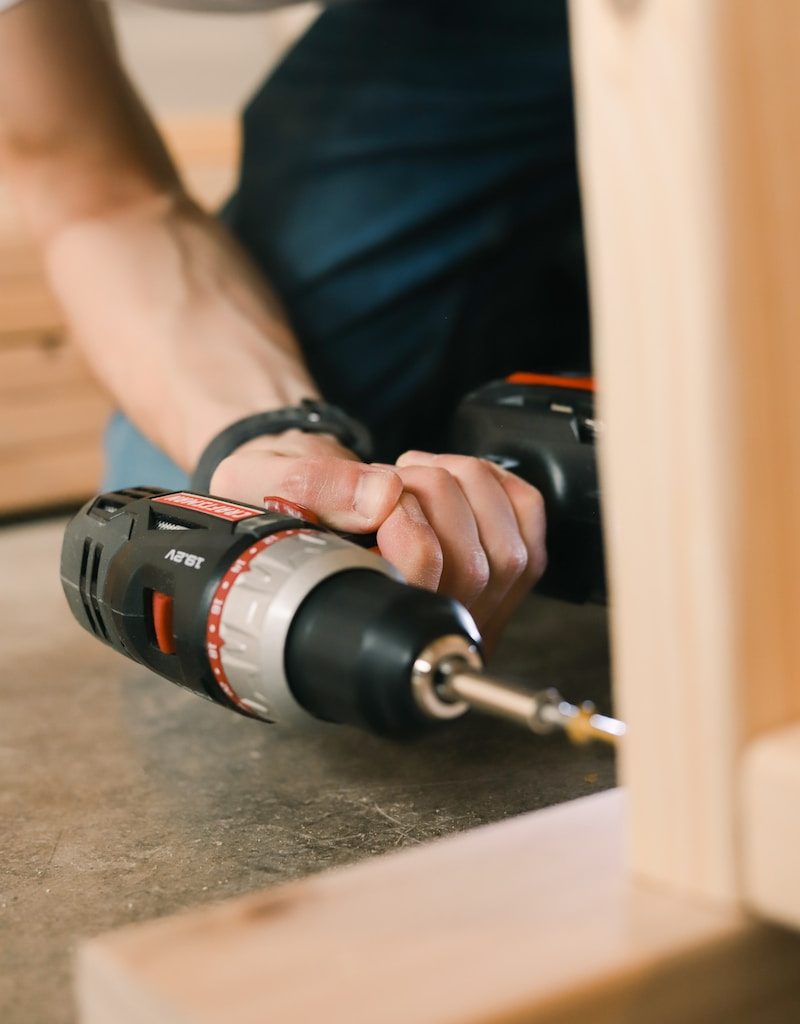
(315, 471)
(451, 523)
(490, 528)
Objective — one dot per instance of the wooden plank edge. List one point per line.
(534, 919)
(771, 825)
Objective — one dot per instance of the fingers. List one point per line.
(505, 523)
(344, 494)
(530, 513)
(449, 522)
(465, 568)
(409, 542)
(529, 510)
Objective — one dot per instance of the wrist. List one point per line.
(315, 418)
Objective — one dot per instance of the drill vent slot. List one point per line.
(162, 523)
(90, 570)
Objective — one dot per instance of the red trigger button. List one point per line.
(162, 622)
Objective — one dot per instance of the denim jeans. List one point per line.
(409, 186)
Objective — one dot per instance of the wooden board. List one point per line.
(26, 304)
(52, 415)
(760, 79)
(31, 362)
(771, 825)
(531, 920)
(689, 142)
(51, 474)
(206, 149)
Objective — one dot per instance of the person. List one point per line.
(406, 226)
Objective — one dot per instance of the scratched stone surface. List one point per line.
(123, 798)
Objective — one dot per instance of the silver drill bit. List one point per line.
(543, 711)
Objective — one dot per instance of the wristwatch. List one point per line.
(311, 416)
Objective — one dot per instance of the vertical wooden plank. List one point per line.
(650, 164)
(760, 62)
(689, 139)
(760, 74)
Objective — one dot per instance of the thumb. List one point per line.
(344, 494)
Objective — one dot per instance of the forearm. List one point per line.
(176, 322)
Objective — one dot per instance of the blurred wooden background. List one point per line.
(195, 72)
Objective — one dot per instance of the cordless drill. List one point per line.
(270, 614)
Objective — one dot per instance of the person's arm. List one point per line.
(176, 322)
(187, 335)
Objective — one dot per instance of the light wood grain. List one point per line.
(206, 148)
(761, 131)
(531, 920)
(31, 362)
(51, 416)
(54, 473)
(26, 303)
(771, 825)
(689, 143)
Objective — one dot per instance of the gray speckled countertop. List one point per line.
(124, 798)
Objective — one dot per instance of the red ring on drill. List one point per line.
(214, 641)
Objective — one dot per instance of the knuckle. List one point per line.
(476, 572)
(472, 464)
(514, 560)
(467, 467)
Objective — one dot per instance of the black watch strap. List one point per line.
(311, 416)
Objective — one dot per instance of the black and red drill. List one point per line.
(272, 615)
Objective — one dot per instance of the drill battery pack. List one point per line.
(543, 428)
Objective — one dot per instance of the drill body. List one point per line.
(270, 614)
(261, 611)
